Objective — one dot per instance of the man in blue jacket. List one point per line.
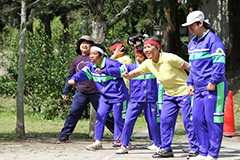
(113, 92)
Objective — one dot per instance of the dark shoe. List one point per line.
(186, 150)
(163, 153)
(156, 155)
(192, 154)
(64, 139)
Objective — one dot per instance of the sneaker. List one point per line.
(64, 139)
(97, 145)
(192, 154)
(122, 150)
(152, 147)
(210, 158)
(117, 144)
(145, 146)
(198, 157)
(186, 150)
(129, 146)
(163, 153)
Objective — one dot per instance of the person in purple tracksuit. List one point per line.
(143, 96)
(86, 91)
(135, 40)
(207, 84)
(113, 92)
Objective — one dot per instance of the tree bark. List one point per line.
(47, 24)
(20, 129)
(65, 26)
(171, 35)
(92, 119)
(151, 13)
(234, 34)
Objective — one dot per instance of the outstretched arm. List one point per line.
(131, 74)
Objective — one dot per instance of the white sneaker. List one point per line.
(152, 147)
(210, 158)
(198, 157)
(145, 146)
(95, 146)
(122, 150)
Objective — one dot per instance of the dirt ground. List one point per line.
(47, 149)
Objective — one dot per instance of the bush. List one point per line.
(45, 74)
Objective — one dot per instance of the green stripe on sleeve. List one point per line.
(89, 75)
(219, 59)
(103, 79)
(145, 76)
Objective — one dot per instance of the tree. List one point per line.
(171, 35)
(234, 33)
(100, 26)
(20, 129)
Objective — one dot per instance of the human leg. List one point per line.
(152, 115)
(102, 113)
(199, 123)
(214, 112)
(94, 99)
(133, 111)
(169, 114)
(168, 118)
(118, 119)
(184, 102)
(79, 104)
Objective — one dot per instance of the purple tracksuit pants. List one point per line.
(103, 111)
(133, 111)
(169, 113)
(208, 116)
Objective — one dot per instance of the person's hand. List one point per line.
(119, 49)
(211, 87)
(64, 97)
(72, 82)
(98, 70)
(190, 90)
(126, 75)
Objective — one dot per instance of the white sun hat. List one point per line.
(195, 16)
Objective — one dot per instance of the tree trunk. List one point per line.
(92, 119)
(171, 35)
(65, 26)
(85, 28)
(151, 13)
(98, 31)
(20, 129)
(47, 24)
(234, 34)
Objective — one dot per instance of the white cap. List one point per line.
(195, 16)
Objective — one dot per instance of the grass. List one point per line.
(36, 127)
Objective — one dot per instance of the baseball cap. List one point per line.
(193, 17)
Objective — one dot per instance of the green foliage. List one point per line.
(45, 73)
